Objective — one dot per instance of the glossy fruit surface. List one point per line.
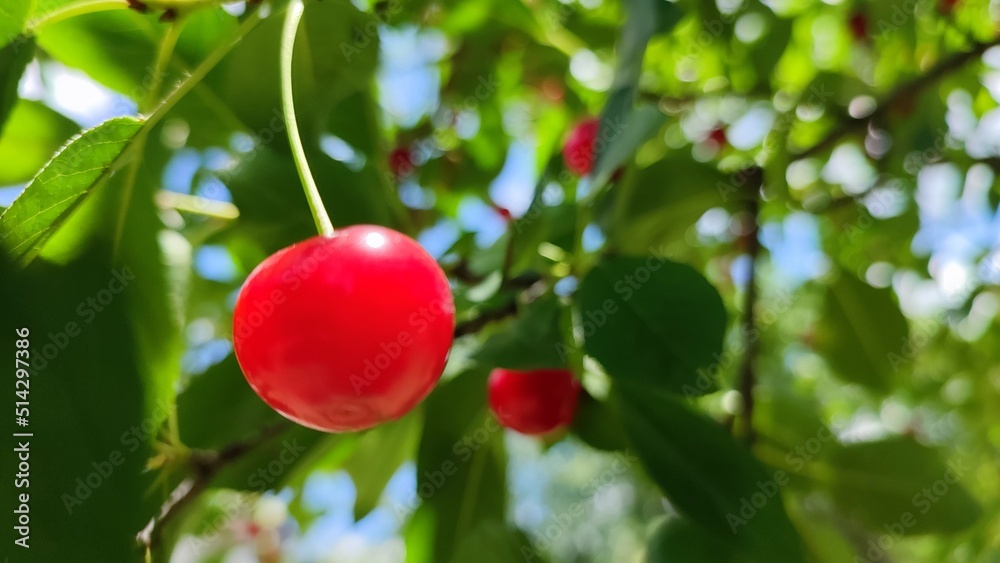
(578, 152)
(345, 332)
(533, 402)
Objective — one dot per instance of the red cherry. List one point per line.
(533, 402)
(401, 162)
(859, 26)
(947, 6)
(578, 152)
(502, 211)
(345, 332)
(718, 136)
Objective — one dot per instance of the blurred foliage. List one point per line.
(870, 334)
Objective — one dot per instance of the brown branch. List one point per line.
(849, 124)
(476, 324)
(748, 369)
(205, 466)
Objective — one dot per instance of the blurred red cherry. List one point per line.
(718, 136)
(578, 152)
(859, 26)
(401, 162)
(533, 402)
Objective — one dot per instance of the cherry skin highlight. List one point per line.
(533, 402)
(578, 152)
(345, 332)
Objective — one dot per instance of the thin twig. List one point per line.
(476, 324)
(849, 124)
(206, 465)
(748, 371)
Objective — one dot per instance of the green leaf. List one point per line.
(379, 453)
(88, 391)
(460, 467)
(531, 341)
(659, 203)
(599, 424)
(900, 487)
(624, 136)
(13, 17)
(33, 134)
(652, 321)
(624, 129)
(863, 334)
(709, 477)
(493, 542)
(77, 169)
(680, 539)
(14, 58)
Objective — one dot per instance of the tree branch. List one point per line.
(751, 240)
(849, 124)
(205, 465)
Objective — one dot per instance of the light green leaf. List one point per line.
(379, 453)
(81, 166)
(33, 134)
(13, 17)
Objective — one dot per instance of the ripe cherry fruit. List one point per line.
(718, 137)
(401, 162)
(858, 23)
(578, 152)
(533, 402)
(342, 333)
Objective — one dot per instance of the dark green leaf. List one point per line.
(532, 340)
(680, 539)
(460, 466)
(900, 487)
(652, 321)
(14, 58)
(862, 333)
(709, 477)
(599, 424)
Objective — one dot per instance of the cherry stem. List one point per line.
(291, 27)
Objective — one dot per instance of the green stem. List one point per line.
(291, 27)
(202, 70)
(163, 56)
(74, 10)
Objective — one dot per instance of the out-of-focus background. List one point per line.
(874, 345)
